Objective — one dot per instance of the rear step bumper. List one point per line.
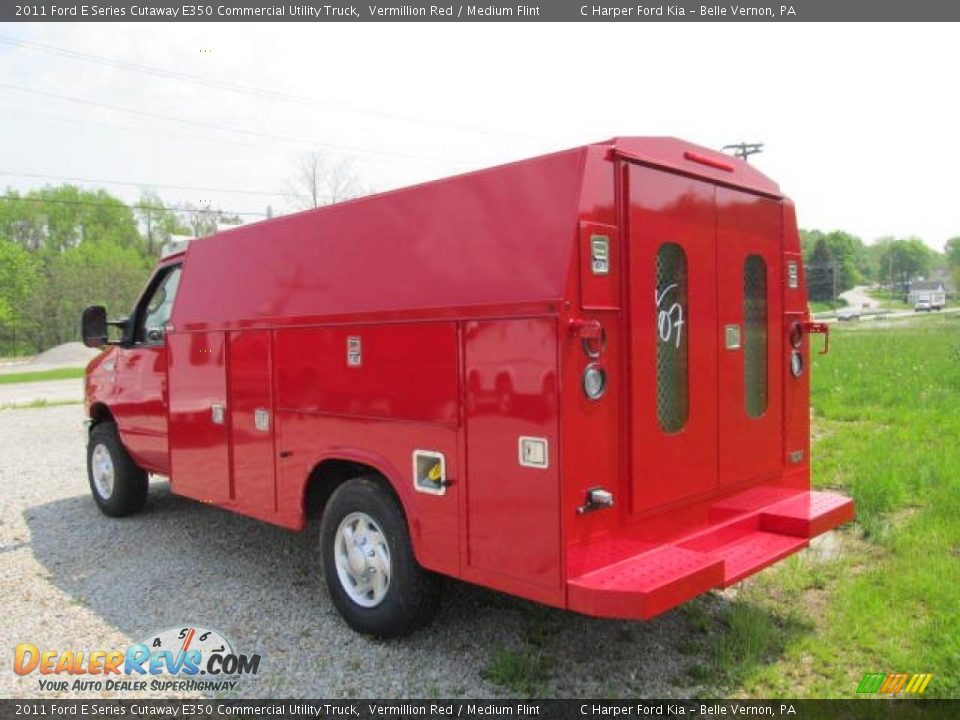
(742, 540)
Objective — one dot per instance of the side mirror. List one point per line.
(93, 326)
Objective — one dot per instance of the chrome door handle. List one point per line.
(218, 413)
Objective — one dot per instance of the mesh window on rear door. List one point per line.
(755, 336)
(671, 338)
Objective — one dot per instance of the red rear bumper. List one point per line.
(742, 539)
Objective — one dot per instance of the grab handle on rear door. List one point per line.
(818, 328)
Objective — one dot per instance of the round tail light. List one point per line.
(594, 381)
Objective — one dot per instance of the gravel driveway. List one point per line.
(74, 579)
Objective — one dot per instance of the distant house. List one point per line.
(932, 290)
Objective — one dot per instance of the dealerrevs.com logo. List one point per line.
(182, 659)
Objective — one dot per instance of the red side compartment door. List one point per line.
(671, 223)
(513, 502)
(252, 422)
(199, 453)
(749, 284)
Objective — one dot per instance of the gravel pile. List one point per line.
(72, 354)
(69, 354)
(74, 579)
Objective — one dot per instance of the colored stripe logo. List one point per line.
(894, 683)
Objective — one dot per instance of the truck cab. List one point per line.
(128, 382)
(581, 378)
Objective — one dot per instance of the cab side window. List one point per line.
(155, 313)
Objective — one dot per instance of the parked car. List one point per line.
(923, 306)
(848, 313)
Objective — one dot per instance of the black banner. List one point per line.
(483, 11)
(445, 709)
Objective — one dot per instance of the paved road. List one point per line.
(826, 318)
(48, 390)
(857, 297)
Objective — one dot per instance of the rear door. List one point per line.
(705, 320)
(750, 402)
(673, 345)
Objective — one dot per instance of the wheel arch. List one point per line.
(99, 412)
(331, 471)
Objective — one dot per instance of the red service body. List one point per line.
(584, 376)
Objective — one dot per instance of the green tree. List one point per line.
(904, 259)
(846, 250)
(56, 218)
(18, 278)
(820, 272)
(808, 240)
(95, 272)
(157, 222)
(203, 221)
(848, 254)
(952, 253)
(22, 220)
(67, 247)
(18, 274)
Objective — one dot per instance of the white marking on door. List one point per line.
(669, 319)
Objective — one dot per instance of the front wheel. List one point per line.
(368, 563)
(118, 484)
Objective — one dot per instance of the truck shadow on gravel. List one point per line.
(181, 562)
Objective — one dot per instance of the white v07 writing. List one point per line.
(670, 320)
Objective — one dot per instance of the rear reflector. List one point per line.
(709, 161)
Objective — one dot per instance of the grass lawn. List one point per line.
(886, 431)
(36, 376)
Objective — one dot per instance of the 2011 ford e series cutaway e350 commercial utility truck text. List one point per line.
(581, 379)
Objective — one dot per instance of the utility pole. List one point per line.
(891, 275)
(744, 150)
(833, 272)
(150, 230)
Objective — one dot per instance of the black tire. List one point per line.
(129, 489)
(411, 595)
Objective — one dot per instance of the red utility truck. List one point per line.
(581, 379)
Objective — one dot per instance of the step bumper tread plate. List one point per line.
(753, 552)
(655, 580)
(646, 585)
(807, 515)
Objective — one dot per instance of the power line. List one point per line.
(226, 128)
(139, 128)
(62, 201)
(129, 183)
(238, 87)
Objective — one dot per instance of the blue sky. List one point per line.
(858, 120)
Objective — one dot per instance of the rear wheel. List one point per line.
(368, 563)
(118, 484)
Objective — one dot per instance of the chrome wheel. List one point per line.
(362, 557)
(101, 467)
